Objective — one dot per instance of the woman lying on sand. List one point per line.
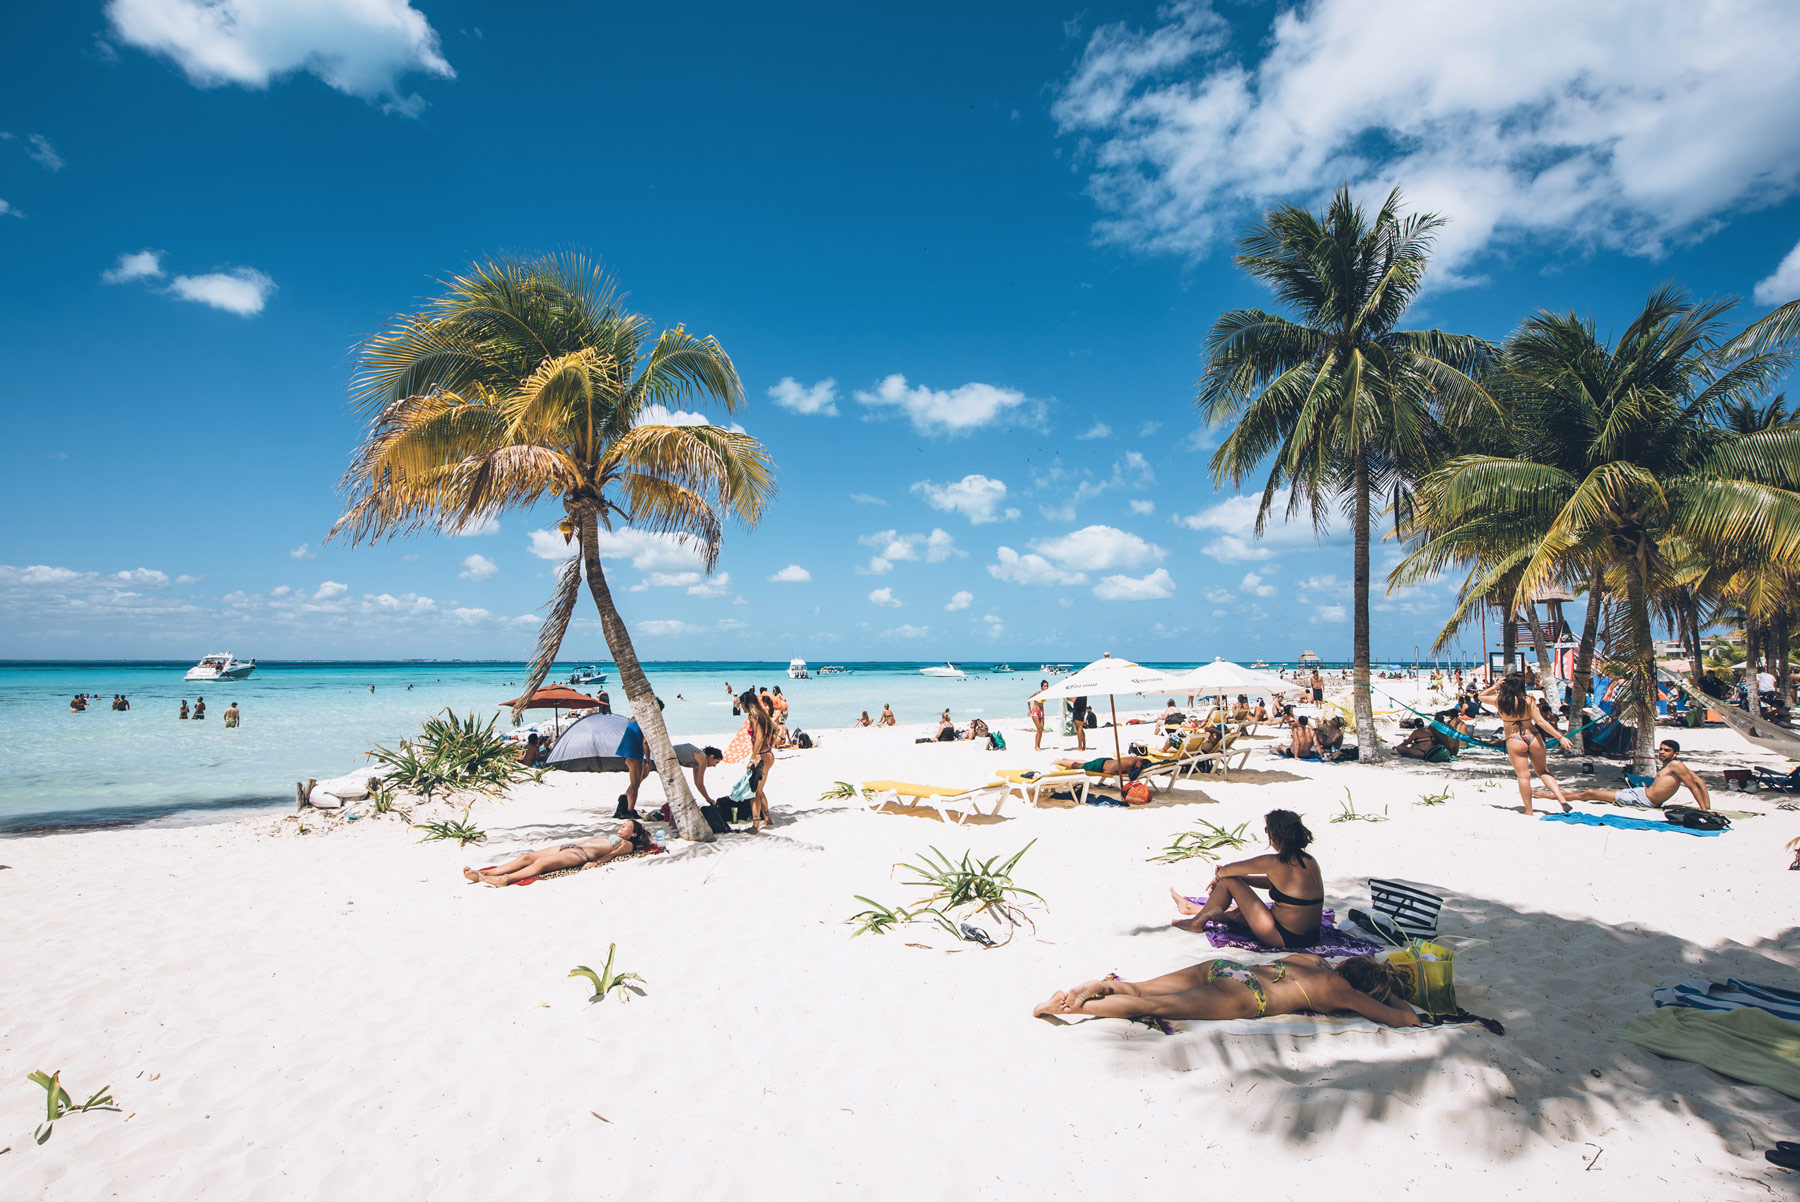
(1292, 879)
(1228, 989)
(632, 836)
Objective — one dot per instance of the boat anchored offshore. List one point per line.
(797, 670)
(587, 675)
(834, 670)
(946, 670)
(221, 667)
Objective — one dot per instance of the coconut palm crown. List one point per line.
(525, 382)
(1337, 402)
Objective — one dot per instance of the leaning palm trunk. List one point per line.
(1368, 740)
(690, 824)
(1640, 661)
(1590, 627)
(1546, 674)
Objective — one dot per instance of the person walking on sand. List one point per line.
(231, 716)
(1034, 709)
(1078, 708)
(1317, 684)
(1521, 719)
(1671, 775)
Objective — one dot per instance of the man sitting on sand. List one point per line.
(1671, 776)
(632, 836)
(1306, 742)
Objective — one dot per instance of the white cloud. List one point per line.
(140, 265)
(667, 580)
(405, 603)
(959, 600)
(143, 578)
(978, 498)
(184, 578)
(654, 414)
(478, 568)
(1129, 471)
(663, 627)
(1030, 568)
(1233, 520)
(1153, 587)
(907, 632)
(1219, 596)
(330, 589)
(303, 551)
(1317, 588)
(1099, 549)
(1611, 121)
(958, 411)
(479, 524)
(646, 551)
(863, 498)
(820, 399)
(43, 153)
(885, 597)
(470, 614)
(716, 586)
(359, 47)
(1254, 586)
(1330, 613)
(1143, 508)
(1783, 284)
(1097, 430)
(936, 547)
(240, 290)
(1148, 428)
(877, 566)
(6, 210)
(995, 627)
(792, 574)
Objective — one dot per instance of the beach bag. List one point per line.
(1695, 819)
(717, 819)
(996, 741)
(1403, 914)
(1431, 967)
(1137, 793)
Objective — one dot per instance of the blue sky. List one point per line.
(963, 257)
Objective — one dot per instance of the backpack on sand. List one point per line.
(1696, 819)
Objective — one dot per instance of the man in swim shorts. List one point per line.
(1671, 776)
(1129, 767)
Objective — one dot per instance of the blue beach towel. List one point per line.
(1731, 994)
(1628, 824)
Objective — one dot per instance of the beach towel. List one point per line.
(1731, 994)
(1623, 823)
(1333, 943)
(1745, 1045)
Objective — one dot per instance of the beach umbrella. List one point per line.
(1222, 677)
(591, 744)
(1109, 677)
(555, 698)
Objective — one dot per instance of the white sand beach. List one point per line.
(303, 1016)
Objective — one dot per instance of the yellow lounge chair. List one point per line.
(1032, 789)
(1222, 758)
(942, 798)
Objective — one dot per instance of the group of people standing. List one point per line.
(79, 703)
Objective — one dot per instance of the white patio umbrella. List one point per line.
(1109, 677)
(1222, 677)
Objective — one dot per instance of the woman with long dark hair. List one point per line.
(1521, 719)
(1291, 878)
(1220, 989)
(633, 836)
(759, 723)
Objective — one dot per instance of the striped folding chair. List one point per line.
(1402, 912)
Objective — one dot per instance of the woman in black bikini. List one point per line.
(1292, 879)
(632, 836)
(1521, 720)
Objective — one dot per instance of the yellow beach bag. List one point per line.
(1431, 966)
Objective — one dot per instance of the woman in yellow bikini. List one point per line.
(1218, 989)
(1521, 720)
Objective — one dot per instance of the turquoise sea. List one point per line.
(316, 719)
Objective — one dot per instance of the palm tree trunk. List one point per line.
(1368, 741)
(1640, 658)
(690, 824)
(1752, 659)
(1509, 640)
(1590, 628)
(1782, 645)
(1546, 675)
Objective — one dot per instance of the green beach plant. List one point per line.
(1347, 812)
(977, 887)
(1435, 799)
(58, 1103)
(876, 919)
(460, 829)
(606, 982)
(452, 754)
(842, 790)
(1206, 841)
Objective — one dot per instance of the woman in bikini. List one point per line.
(759, 727)
(1034, 709)
(1292, 879)
(1218, 989)
(632, 837)
(1525, 747)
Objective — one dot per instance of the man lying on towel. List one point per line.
(1672, 775)
(1129, 767)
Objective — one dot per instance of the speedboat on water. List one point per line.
(1002, 668)
(946, 670)
(221, 667)
(835, 670)
(797, 670)
(587, 675)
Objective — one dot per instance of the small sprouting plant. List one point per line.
(460, 829)
(1347, 812)
(876, 919)
(382, 800)
(1205, 841)
(982, 886)
(1435, 799)
(607, 982)
(58, 1103)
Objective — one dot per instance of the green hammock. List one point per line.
(1461, 736)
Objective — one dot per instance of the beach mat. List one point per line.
(1745, 1045)
(1623, 823)
(1731, 994)
(1333, 943)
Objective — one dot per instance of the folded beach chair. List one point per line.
(1785, 782)
(942, 798)
(1031, 784)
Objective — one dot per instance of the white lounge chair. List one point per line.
(1031, 784)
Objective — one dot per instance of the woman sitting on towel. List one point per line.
(632, 837)
(1227, 989)
(1292, 879)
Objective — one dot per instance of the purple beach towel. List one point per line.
(1333, 944)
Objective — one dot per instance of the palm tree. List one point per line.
(1337, 401)
(1625, 463)
(525, 382)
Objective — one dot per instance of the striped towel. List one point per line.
(1732, 994)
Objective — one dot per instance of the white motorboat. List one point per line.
(834, 670)
(946, 670)
(797, 670)
(221, 667)
(1001, 668)
(587, 675)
